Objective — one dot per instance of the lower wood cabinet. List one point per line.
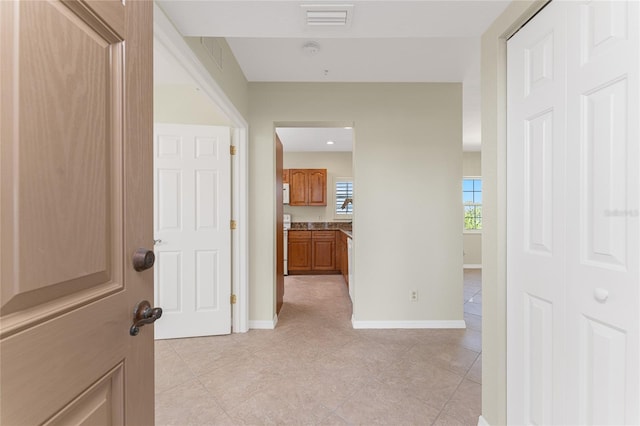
(323, 250)
(299, 251)
(312, 251)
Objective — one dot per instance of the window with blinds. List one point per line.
(344, 197)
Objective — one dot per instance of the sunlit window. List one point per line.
(472, 200)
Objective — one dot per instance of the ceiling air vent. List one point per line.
(331, 15)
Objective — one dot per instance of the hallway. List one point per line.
(315, 369)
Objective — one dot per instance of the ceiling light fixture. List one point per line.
(311, 48)
(330, 142)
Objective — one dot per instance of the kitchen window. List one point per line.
(344, 198)
(472, 201)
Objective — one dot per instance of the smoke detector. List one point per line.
(311, 48)
(327, 15)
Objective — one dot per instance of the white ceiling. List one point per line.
(387, 41)
(314, 139)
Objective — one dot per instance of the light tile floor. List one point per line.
(315, 369)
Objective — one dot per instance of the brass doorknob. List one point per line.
(143, 259)
(144, 314)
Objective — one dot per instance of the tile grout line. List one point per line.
(444, 406)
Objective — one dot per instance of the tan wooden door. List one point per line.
(76, 194)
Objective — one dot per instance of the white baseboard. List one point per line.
(264, 325)
(472, 266)
(408, 324)
(482, 421)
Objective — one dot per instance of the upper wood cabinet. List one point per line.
(298, 187)
(318, 187)
(307, 187)
(285, 176)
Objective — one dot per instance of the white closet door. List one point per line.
(573, 216)
(535, 219)
(602, 222)
(192, 209)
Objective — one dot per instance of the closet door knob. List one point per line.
(601, 295)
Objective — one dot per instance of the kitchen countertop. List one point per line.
(349, 233)
(345, 227)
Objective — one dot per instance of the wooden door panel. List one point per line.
(318, 187)
(69, 160)
(76, 202)
(299, 254)
(323, 250)
(324, 257)
(63, 363)
(100, 405)
(280, 177)
(298, 187)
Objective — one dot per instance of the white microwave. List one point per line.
(285, 193)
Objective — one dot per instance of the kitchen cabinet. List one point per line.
(323, 250)
(312, 252)
(338, 256)
(307, 187)
(318, 187)
(299, 251)
(285, 176)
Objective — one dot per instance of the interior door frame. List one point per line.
(494, 236)
(168, 36)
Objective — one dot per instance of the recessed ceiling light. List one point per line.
(330, 142)
(348, 128)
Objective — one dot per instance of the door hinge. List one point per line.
(234, 299)
(233, 224)
(232, 149)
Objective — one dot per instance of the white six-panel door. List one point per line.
(572, 210)
(193, 237)
(535, 223)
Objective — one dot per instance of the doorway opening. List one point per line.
(314, 211)
(472, 238)
(186, 93)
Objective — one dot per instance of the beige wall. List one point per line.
(471, 241)
(185, 104)
(493, 71)
(472, 249)
(407, 157)
(471, 164)
(230, 78)
(338, 164)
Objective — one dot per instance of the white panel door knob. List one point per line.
(601, 295)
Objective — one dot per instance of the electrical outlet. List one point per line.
(414, 296)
